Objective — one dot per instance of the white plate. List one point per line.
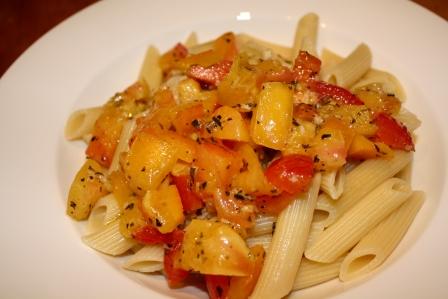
(97, 52)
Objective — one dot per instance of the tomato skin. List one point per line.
(292, 174)
(217, 286)
(393, 133)
(242, 286)
(338, 93)
(149, 235)
(174, 275)
(212, 74)
(273, 205)
(306, 66)
(190, 200)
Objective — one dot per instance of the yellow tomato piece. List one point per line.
(239, 87)
(227, 123)
(86, 189)
(164, 208)
(362, 148)
(131, 218)
(329, 148)
(149, 160)
(272, 118)
(214, 248)
(251, 178)
(300, 138)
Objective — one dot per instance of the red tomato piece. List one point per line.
(338, 93)
(273, 205)
(190, 200)
(283, 75)
(305, 111)
(242, 286)
(180, 51)
(149, 235)
(217, 286)
(292, 174)
(212, 74)
(392, 133)
(306, 66)
(174, 275)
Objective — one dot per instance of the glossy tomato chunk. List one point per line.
(292, 174)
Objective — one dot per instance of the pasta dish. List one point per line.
(252, 168)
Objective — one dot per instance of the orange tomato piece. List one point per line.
(242, 287)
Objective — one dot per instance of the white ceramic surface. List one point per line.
(97, 52)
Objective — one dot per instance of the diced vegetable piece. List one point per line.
(174, 274)
(305, 112)
(306, 66)
(339, 94)
(215, 167)
(211, 75)
(149, 160)
(292, 174)
(227, 123)
(234, 208)
(224, 48)
(189, 90)
(217, 286)
(272, 118)
(239, 86)
(377, 100)
(86, 189)
(330, 148)
(190, 200)
(214, 248)
(242, 287)
(362, 148)
(107, 130)
(150, 235)
(273, 205)
(105, 136)
(250, 178)
(170, 59)
(393, 133)
(300, 138)
(164, 208)
(131, 218)
(164, 98)
(185, 147)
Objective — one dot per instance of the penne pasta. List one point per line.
(333, 183)
(306, 35)
(409, 119)
(350, 69)
(264, 224)
(150, 71)
(105, 211)
(387, 81)
(361, 180)
(243, 39)
(148, 259)
(311, 273)
(263, 240)
(109, 240)
(192, 40)
(80, 123)
(283, 259)
(343, 234)
(123, 145)
(378, 244)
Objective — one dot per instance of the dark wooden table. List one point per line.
(22, 22)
